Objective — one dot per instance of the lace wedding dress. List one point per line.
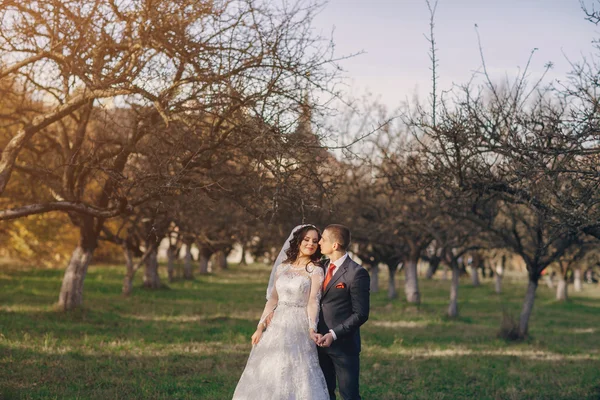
(284, 365)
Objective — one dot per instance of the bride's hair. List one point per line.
(294, 250)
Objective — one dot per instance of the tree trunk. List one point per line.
(151, 277)
(445, 273)
(562, 289)
(434, 263)
(527, 308)
(375, 278)
(203, 259)
(587, 276)
(129, 274)
(221, 259)
(243, 259)
(430, 272)
(392, 294)
(475, 274)
(71, 291)
(577, 282)
(462, 266)
(498, 278)
(453, 307)
(411, 283)
(488, 265)
(171, 253)
(187, 263)
(548, 280)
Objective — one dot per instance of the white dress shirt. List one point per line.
(337, 264)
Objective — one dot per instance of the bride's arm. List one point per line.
(269, 308)
(271, 304)
(312, 308)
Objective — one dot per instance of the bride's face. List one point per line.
(309, 243)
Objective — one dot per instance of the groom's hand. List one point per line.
(326, 340)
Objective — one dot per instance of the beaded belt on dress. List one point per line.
(289, 304)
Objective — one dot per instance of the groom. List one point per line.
(344, 308)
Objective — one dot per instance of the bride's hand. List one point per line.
(316, 337)
(256, 336)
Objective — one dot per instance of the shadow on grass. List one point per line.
(40, 375)
(97, 326)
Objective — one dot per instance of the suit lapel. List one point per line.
(338, 275)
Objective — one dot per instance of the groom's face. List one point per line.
(327, 243)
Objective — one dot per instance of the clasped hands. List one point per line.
(321, 340)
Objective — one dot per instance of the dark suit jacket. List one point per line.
(345, 307)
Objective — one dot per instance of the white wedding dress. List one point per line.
(284, 365)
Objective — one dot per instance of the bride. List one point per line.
(283, 363)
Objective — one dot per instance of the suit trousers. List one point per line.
(344, 367)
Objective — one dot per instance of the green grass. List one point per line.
(192, 341)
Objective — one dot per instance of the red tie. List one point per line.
(329, 275)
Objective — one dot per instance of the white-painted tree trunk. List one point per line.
(577, 281)
(411, 283)
(562, 289)
(71, 291)
(527, 309)
(453, 306)
(151, 276)
(498, 278)
(129, 273)
(203, 259)
(375, 278)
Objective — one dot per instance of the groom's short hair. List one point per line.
(340, 234)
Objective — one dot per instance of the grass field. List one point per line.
(192, 341)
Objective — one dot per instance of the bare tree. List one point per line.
(456, 238)
(175, 243)
(139, 99)
(472, 159)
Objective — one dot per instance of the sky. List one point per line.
(395, 64)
